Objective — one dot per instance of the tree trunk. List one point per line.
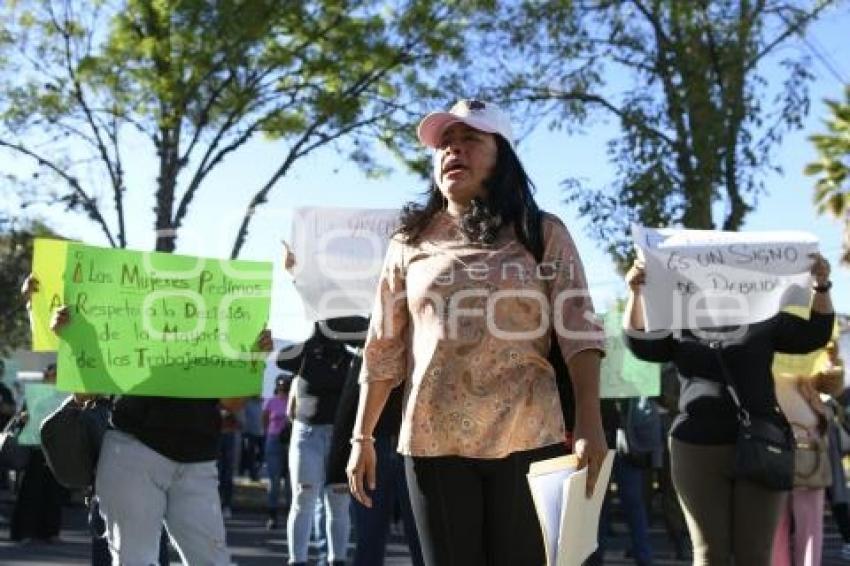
(698, 191)
(166, 233)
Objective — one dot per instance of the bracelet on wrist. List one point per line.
(362, 438)
(823, 287)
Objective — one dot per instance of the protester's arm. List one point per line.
(291, 399)
(60, 319)
(581, 339)
(589, 443)
(650, 348)
(362, 462)
(830, 380)
(28, 288)
(384, 366)
(288, 258)
(633, 313)
(645, 346)
(822, 302)
(794, 335)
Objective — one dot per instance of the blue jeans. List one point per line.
(372, 524)
(629, 480)
(308, 456)
(138, 489)
(277, 467)
(100, 555)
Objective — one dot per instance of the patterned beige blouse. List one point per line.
(466, 327)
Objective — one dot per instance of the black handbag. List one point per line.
(764, 449)
(71, 437)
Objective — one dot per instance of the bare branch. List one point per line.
(548, 94)
(793, 28)
(94, 125)
(89, 204)
(204, 117)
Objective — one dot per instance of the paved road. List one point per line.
(248, 540)
(252, 545)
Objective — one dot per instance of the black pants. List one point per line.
(38, 509)
(253, 447)
(477, 512)
(841, 514)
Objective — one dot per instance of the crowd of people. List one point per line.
(435, 418)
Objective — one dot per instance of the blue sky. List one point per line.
(324, 179)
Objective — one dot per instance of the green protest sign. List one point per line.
(48, 265)
(622, 374)
(148, 323)
(42, 399)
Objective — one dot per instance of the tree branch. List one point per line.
(297, 151)
(542, 95)
(793, 27)
(89, 204)
(106, 159)
(261, 196)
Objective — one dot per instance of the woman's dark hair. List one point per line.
(283, 382)
(509, 200)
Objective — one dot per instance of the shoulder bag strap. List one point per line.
(743, 414)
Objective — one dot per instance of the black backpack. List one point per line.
(71, 437)
(556, 358)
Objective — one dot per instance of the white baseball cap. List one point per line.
(476, 114)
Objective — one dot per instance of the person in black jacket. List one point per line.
(631, 466)
(372, 524)
(7, 411)
(37, 513)
(320, 365)
(727, 517)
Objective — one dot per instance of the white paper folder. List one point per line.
(569, 519)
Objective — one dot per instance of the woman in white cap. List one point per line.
(463, 318)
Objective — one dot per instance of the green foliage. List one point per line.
(683, 80)
(15, 260)
(832, 169)
(199, 78)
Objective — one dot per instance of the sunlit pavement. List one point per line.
(252, 545)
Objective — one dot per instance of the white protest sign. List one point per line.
(339, 253)
(706, 278)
